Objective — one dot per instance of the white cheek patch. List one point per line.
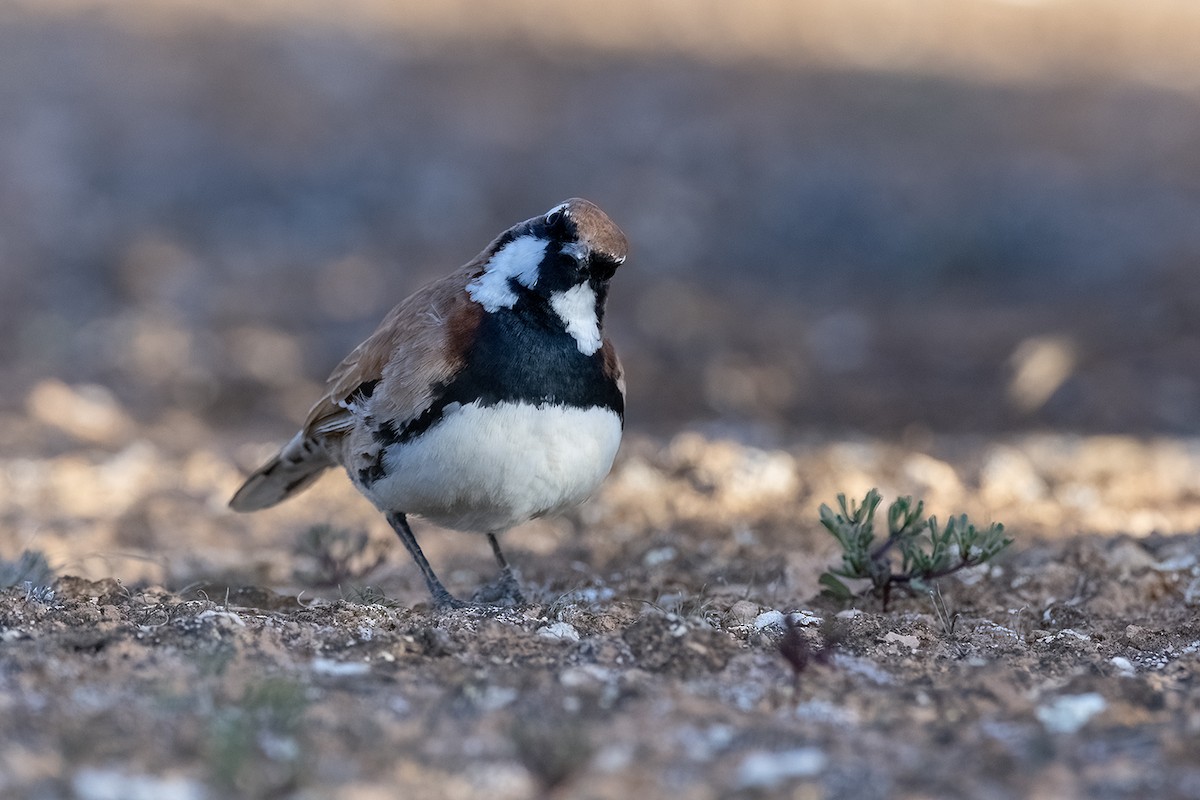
(576, 307)
(518, 259)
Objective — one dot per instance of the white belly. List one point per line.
(487, 469)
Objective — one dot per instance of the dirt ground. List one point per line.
(269, 656)
(965, 273)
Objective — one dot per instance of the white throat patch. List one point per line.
(576, 307)
(518, 259)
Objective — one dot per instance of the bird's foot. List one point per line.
(505, 591)
(444, 601)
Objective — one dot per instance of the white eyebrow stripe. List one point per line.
(518, 259)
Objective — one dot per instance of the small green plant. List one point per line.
(922, 549)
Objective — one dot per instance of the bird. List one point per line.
(487, 398)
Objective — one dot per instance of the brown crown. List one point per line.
(595, 229)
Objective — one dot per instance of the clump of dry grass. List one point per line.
(29, 569)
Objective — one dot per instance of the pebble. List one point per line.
(1177, 563)
(96, 783)
(911, 642)
(659, 556)
(1191, 595)
(328, 666)
(805, 618)
(931, 475)
(1008, 476)
(768, 619)
(226, 616)
(743, 611)
(560, 631)
(1123, 664)
(762, 770)
(1139, 637)
(1070, 712)
(586, 675)
(90, 413)
(1126, 557)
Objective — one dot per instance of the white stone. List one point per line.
(911, 642)
(660, 555)
(768, 619)
(1070, 712)
(1008, 476)
(1123, 664)
(762, 770)
(743, 612)
(328, 666)
(213, 613)
(95, 783)
(561, 631)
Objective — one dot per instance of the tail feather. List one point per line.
(296, 467)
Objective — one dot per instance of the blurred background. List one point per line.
(873, 216)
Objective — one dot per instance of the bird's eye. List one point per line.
(553, 218)
(575, 254)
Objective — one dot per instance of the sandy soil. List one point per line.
(293, 653)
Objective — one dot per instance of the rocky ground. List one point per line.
(180, 651)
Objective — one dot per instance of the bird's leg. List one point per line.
(508, 581)
(441, 597)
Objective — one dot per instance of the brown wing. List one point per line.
(418, 346)
(612, 365)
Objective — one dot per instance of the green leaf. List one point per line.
(834, 587)
(923, 549)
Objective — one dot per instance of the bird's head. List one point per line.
(573, 244)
